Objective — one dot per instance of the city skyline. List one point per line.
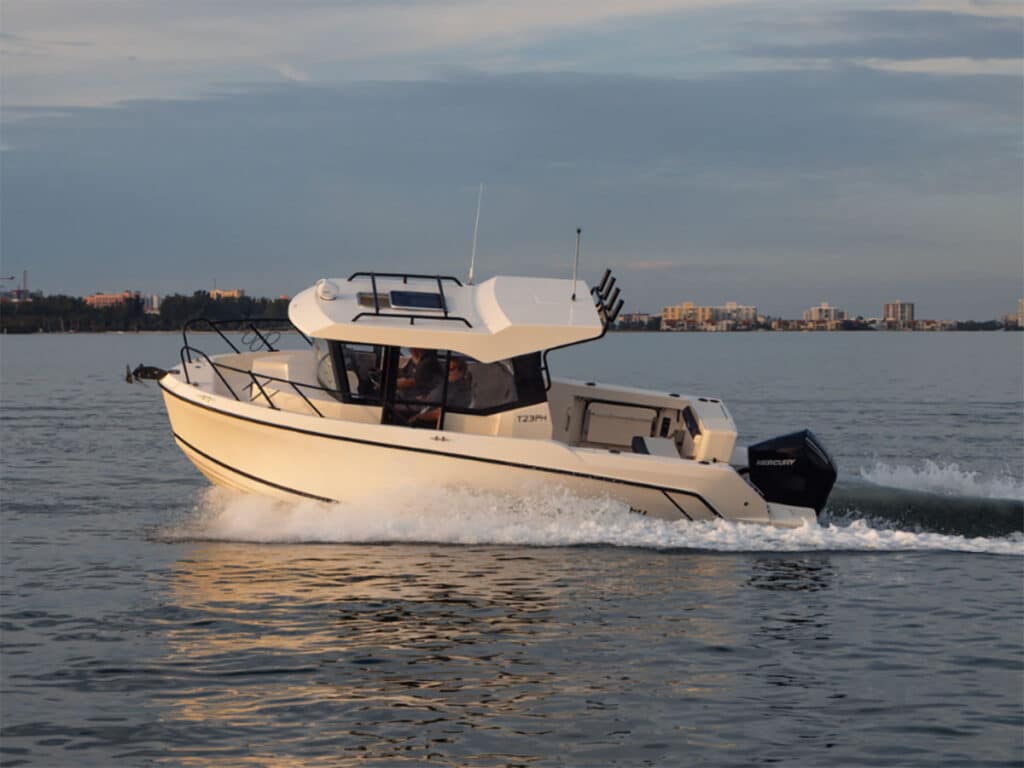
(632, 305)
(792, 151)
(820, 311)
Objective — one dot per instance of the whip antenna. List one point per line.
(576, 262)
(476, 228)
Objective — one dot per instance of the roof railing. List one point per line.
(412, 317)
(403, 276)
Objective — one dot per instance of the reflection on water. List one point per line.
(795, 639)
(381, 639)
(409, 652)
(792, 574)
(308, 655)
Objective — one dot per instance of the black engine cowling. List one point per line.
(793, 469)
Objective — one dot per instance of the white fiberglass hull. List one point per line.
(254, 449)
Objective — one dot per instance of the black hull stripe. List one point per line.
(220, 463)
(681, 510)
(499, 462)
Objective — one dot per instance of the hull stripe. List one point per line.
(393, 446)
(681, 510)
(237, 471)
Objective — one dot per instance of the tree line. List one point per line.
(56, 314)
(59, 314)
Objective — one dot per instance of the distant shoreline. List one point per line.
(614, 330)
(70, 314)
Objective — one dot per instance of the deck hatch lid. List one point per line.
(416, 300)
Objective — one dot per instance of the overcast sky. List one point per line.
(772, 153)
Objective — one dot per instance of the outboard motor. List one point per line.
(793, 469)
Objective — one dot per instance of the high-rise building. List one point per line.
(689, 315)
(899, 313)
(677, 315)
(823, 313)
(634, 320)
(740, 313)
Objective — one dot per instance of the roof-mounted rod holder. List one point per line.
(603, 296)
(606, 299)
(615, 312)
(576, 262)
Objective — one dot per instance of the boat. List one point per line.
(365, 405)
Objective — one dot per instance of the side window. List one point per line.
(505, 384)
(325, 373)
(529, 379)
(423, 384)
(492, 385)
(362, 366)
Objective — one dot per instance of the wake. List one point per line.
(544, 517)
(944, 479)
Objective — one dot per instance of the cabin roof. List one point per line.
(499, 318)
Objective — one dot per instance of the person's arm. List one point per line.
(431, 415)
(431, 410)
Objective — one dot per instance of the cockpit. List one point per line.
(419, 387)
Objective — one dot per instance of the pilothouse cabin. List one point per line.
(429, 352)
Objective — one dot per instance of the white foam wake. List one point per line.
(549, 518)
(946, 479)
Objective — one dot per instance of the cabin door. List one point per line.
(415, 387)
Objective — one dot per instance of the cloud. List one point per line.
(948, 66)
(15, 44)
(902, 35)
(644, 265)
(766, 181)
(148, 49)
(184, 47)
(294, 74)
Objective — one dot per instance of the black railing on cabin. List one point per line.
(252, 336)
(258, 334)
(257, 381)
(412, 317)
(403, 276)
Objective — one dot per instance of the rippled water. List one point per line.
(148, 619)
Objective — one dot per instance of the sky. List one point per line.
(771, 153)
